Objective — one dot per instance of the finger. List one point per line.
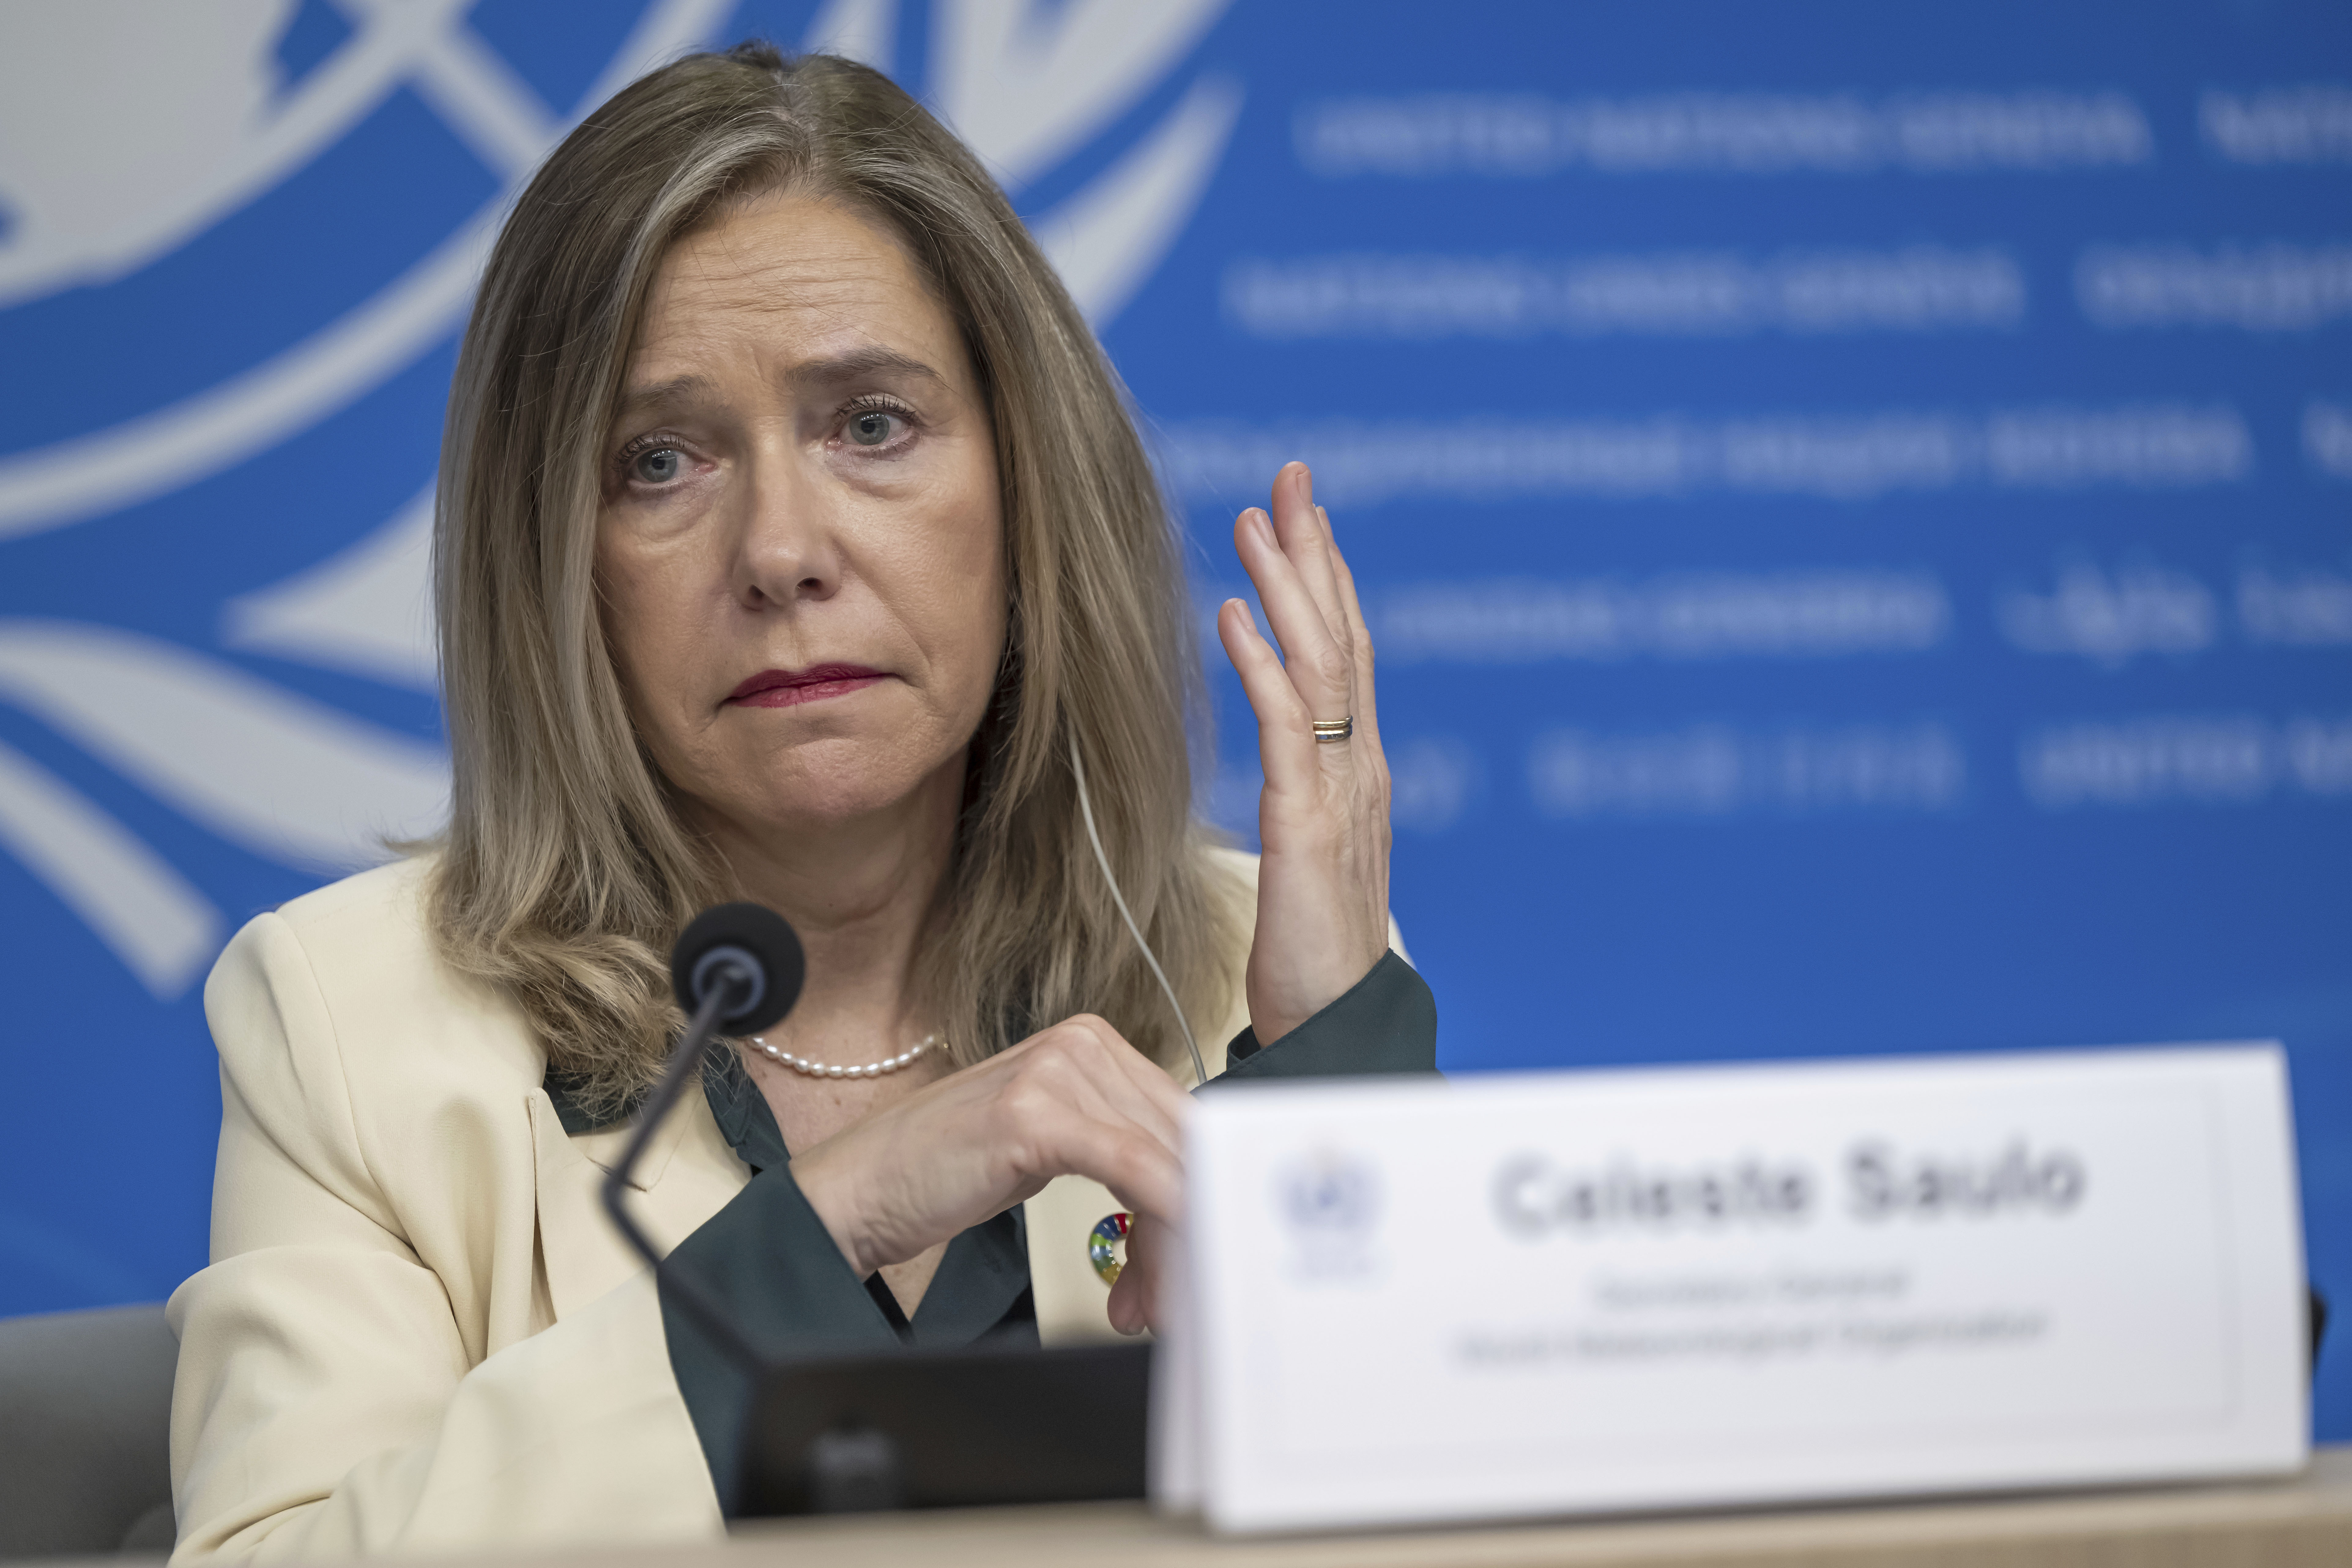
(1286, 738)
(1159, 1088)
(1145, 1178)
(1127, 1083)
(1134, 1303)
(1125, 1307)
(1314, 660)
(1131, 1307)
(1300, 529)
(1359, 637)
(1075, 1108)
(1060, 1102)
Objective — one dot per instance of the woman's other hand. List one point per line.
(1323, 817)
(1077, 1099)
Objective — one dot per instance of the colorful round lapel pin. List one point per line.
(1107, 1248)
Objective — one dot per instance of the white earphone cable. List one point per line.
(1087, 811)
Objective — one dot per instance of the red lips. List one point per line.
(786, 687)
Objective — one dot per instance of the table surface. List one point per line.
(2274, 1524)
(2304, 1522)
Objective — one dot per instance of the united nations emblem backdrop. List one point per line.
(1851, 498)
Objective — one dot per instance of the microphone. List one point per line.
(739, 966)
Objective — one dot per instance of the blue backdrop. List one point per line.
(1853, 499)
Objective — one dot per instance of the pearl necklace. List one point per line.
(821, 1070)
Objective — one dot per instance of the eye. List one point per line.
(658, 466)
(872, 426)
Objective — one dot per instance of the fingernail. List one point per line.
(1262, 524)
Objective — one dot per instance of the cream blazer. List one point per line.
(418, 1331)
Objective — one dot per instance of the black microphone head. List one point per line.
(751, 934)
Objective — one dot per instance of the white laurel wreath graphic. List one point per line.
(287, 777)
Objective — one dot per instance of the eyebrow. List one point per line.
(849, 365)
(862, 361)
(663, 394)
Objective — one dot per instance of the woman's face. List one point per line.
(799, 550)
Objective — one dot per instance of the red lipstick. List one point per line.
(789, 687)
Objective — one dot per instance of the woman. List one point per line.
(794, 545)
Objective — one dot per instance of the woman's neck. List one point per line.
(859, 893)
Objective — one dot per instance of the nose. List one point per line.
(788, 549)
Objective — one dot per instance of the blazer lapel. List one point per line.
(688, 1173)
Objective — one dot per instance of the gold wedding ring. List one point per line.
(1327, 730)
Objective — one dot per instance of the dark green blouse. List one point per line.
(767, 1260)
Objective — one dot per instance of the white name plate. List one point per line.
(1580, 1291)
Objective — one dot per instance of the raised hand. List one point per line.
(1323, 818)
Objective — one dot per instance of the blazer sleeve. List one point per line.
(1385, 1022)
(332, 1398)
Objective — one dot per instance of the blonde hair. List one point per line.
(565, 872)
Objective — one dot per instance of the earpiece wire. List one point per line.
(1087, 811)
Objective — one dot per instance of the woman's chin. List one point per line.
(800, 812)
(837, 785)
